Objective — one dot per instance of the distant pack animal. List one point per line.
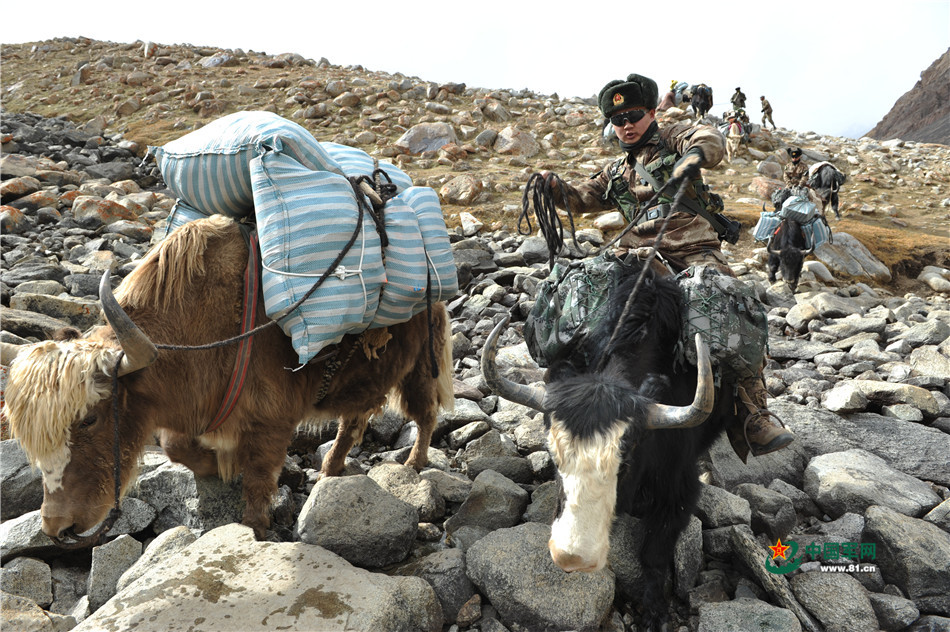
(787, 248)
(187, 291)
(701, 100)
(625, 437)
(826, 180)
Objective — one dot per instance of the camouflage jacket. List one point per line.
(738, 101)
(601, 191)
(796, 175)
(766, 106)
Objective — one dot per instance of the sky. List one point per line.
(828, 66)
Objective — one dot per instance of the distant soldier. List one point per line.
(766, 112)
(796, 172)
(738, 100)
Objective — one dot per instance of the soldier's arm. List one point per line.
(708, 139)
(587, 196)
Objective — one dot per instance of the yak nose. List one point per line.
(569, 562)
(54, 526)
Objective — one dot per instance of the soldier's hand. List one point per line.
(689, 165)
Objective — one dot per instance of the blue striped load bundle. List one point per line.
(306, 212)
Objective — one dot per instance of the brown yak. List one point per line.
(188, 291)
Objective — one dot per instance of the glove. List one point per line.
(688, 166)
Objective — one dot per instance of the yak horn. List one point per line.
(530, 396)
(768, 247)
(662, 416)
(139, 350)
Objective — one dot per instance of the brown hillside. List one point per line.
(896, 200)
(923, 113)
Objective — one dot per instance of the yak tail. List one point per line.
(445, 389)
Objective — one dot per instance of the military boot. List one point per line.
(762, 434)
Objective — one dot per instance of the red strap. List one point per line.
(243, 360)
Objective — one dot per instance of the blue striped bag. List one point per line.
(180, 215)
(766, 225)
(209, 169)
(816, 232)
(305, 218)
(356, 162)
(418, 252)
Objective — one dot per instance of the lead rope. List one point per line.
(540, 192)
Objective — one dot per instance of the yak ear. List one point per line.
(66, 333)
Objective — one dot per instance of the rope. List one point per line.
(539, 192)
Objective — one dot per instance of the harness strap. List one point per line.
(691, 205)
(243, 359)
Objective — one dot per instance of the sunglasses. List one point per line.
(633, 116)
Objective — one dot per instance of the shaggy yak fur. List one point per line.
(188, 290)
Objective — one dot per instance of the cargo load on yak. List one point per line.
(573, 300)
(311, 202)
(796, 205)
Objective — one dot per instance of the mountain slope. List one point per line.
(923, 113)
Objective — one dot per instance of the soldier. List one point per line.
(654, 155)
(738, 100)
(766, 113)
(796, 172)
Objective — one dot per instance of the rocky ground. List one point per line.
(860, 359)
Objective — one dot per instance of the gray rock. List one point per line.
(718, 508)
(893, 613)
(742, 615)
(109, 561)
(853, 480)
(30, 578)
(921, 451)
(358, 520)
(24, 536)
(426, 137)
(158, 552)
(404, 483)
(837, 600)
(445, 571)
(940, 515)
(495, 502)
(21, 485)
(772, 512)
(914, 555)
(513, 568)
(218, 580)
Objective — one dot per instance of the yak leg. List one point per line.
(420, 397)
(187, 451)
(261, 456)
(665, 520)
(834, 204)
(349, 433)
(774, 263)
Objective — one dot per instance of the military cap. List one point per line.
(794, 152)
(636, 91)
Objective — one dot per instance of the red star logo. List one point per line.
(779, 550)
